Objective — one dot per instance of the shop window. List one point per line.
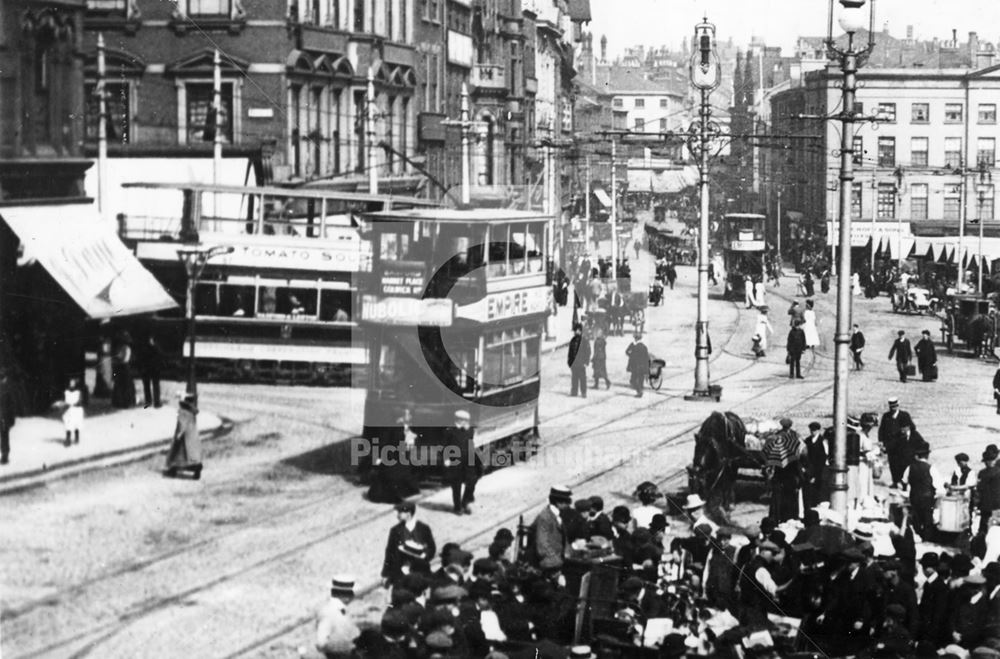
(335, 306)
(236, 301)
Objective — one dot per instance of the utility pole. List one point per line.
(706, 74)
(963, 217)
(586, 206)
(466, 124)
(370, 131)
(217, 138)
(614, 209)
(779, 223)
(985, 186)
(102, 131)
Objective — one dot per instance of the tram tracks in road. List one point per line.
(107, 630)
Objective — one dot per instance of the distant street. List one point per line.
(127, 563)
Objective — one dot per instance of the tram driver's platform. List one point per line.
(109, 437)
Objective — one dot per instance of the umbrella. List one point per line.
(781, 449)
(829, 540)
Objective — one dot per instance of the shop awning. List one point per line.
(602, 197)
(86, 258)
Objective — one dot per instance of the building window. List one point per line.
(640, 124)
(886, 200)
(208, 7)
(359, 16)
(663, 102)
(202, 122)
(859, 108)
(432, 11)
(117, 96)
(886, 112)
(987, 113)
(663, 125)
(984, 202)
(918, 201)
(920, 113)
(106, 6)
(952, 201)
(316, 136)
(953, 152)
(887, 152)
(335, 126)
(856, 188)
(986, 151)
(640, 102)
(859, 150)
(953, 113)
(617, 103)
(918, 151)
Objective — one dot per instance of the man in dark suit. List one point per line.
(926, 357)
(577, 360)
(889, 434)
(857, 346)
(546, 536)
(933, 602)
(638, 364)
(903, 353)
(988, 488)
(923, 482)
(463, 466)
(899, 592)
(408, 529)
(996, 389)
(795, 344)
(849, 614)
(598, 521)
(817, 460)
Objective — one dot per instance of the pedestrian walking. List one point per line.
(818, 453)
(407, 537)
(599, 359)
(185, 449)
(903, 354)
(8, 415)
(637, 245)
(924, 483)
(824, 282)
(546, 537)
(711, 274)
(638, 364)
(795, 344)
(72, 416)
(808, 284)
(889, 434)
(795, 312)
(784, 472)
(809, 326)
(577, 359)
(988, 487)
(150, 367)
(759, 291)
(762, 330)
(394, 479)
(855, 284)
(464, 466)
(857, 346)
(926, 357)
(671, 274)
(748, 298)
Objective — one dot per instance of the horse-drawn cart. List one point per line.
(969, 318)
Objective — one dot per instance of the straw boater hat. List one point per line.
(342, 586)
(412, 548)
(693, 501)
(561, 492)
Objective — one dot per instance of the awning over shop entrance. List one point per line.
(86, 258)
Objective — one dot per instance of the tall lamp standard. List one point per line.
(194, 259)
(706, 74)
(850, 56)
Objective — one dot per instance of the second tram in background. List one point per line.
(743, 247)
(453, 311)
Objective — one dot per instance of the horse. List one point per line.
(718, 444)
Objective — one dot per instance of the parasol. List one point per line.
(781, 449)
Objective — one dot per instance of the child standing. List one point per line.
(73, 416)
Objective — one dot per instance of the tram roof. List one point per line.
(458, 215)
(304, 193)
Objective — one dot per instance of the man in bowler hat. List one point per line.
(407, 529)
(577, 360)
(903, 353)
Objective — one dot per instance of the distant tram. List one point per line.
(453, 311)
(743, 248)
(282, 306)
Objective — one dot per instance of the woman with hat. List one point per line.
(762, 331)
(647, 493)
(185, 449)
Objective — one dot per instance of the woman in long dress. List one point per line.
(809, 326)
(123, 392)
(763, 329)
(185, 449)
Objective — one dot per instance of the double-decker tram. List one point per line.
(453, 310)
(282, 305)
(743, 248)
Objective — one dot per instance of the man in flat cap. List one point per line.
(546, 537)
(407, 530)
(464, 466)
(924, 483)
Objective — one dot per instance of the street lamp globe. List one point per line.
(852, 16)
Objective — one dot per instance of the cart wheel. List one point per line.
(655, 381)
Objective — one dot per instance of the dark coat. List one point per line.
(926, 354)
(720, 578)
(904, 595)
(996, 384)
(968, 619)
(988, 488)
(851, 601)
(579, 352)
(399, 534)
(902, 351)
(638, 358)
(888, 429)
(601, 526)
(934, 612)
(796, 341)
(857, 341)
(546, 541)
(468, 463)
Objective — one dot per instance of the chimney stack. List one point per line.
(909, 33)
(954, 38)
(973, 48)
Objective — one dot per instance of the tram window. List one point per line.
(492, 367)
(300, 302)
(518, 241)
(531, 349)
(335, 306)
(511, 361)
(236, 301)
(206, 300)
(533, 245)
(498, 251)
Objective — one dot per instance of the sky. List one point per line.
(669, 22)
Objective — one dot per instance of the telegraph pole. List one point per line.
(217, 108)
(614, 210)
(586, 206)
(102, 131)
(370, 131)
